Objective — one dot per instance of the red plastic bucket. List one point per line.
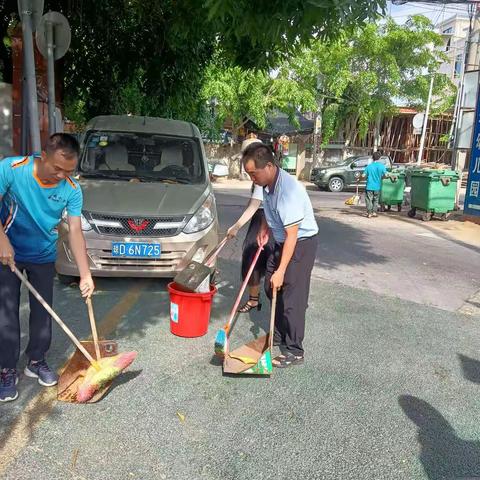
(189, 312)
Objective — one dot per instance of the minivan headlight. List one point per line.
(204, 216)
(85, 225)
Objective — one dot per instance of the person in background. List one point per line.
(374, 173)
(253, 214)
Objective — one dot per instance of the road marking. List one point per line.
(112, 318)
(41, 405)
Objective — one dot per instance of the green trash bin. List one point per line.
(433, 192)
(392, 191)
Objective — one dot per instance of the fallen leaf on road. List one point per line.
(75, 457)
(181, 416)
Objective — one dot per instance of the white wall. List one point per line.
(457, 38)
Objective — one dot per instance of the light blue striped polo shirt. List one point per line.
(286, 205)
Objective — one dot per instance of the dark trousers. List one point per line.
(292, 299)
(371, 199)
(41, 277)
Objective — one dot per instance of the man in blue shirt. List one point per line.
(374, 174)
(290, 219)
(35, 192)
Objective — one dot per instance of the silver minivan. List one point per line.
(148, 205)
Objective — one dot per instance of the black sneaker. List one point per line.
(8, 385)
(46, 376)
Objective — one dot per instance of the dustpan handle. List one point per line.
(49, 309)
(272, 317)
(213, 255)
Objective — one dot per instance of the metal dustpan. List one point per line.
(74, 372)
(197, 275)
(255, 357)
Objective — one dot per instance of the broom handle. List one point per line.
(272, 317)
(49, 309)
(91, 316)
(243, 287)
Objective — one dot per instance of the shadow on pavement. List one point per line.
(443, 454)
(471, 368)
(341, 244)
(124, 378)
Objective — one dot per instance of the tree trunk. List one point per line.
(351, 130)
(377, 138)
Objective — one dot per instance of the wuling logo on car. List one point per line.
(138, 224)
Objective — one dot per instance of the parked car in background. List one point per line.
(148, 205)
(345, 174)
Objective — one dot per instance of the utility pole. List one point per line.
(27, 11)
(458, 113)
(458, 159)
(53, 41)
(317, 127)
(51, 77)
(425, 121)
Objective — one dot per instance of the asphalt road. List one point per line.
(389, 388)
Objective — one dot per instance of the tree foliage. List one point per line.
(150, 57)
(363, 76)
(262, 32)
(242, 94)
(359, 76)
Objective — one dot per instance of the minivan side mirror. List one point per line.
(353, 166)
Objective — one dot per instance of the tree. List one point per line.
(365, 74)
(155, 53)
(248, 94)
(262, 33)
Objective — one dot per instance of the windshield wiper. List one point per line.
(110, 175)
(131, 176)
(158, 178)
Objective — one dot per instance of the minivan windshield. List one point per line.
(146, 157)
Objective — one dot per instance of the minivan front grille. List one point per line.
(136, 226)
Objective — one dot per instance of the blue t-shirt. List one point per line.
(30, 211)
(286, 205)
(374, 172)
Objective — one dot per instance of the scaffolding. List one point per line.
(399, 140)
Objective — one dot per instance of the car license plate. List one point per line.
(138, 250)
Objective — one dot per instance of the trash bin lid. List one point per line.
(432, 173)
